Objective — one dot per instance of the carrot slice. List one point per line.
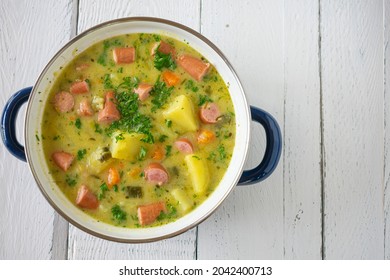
(158, 153)
(134, 172)
(206, 136)
(170, 78)
(113, 177)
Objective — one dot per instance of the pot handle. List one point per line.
(272, 150)
(8, 119)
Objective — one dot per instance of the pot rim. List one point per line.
(43, 75)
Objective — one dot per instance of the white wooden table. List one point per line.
(320, 67)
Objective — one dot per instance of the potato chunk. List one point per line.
(199, 172)
(181, 113)
(183, 199)
(126, 145)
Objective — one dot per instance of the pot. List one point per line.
(36, 97)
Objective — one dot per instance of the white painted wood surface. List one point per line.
(320, 67)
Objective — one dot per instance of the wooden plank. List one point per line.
(386, 42)
(84, 246)
(302, 135)
(30, 34)
(249, 224)
(352, 90)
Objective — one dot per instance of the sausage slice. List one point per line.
(143, 91)
(79, 87)
(124, 55)
(147, 214)
(109, 113)
(209, 113)
(184, 145)
(193, 66)
(86, 198)
(62, 159)
(156, 173)
(63, 102)
(164, 48)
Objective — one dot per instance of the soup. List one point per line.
(138, 130)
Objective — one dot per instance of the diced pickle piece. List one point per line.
(183, 199)
(126, 145)
(99, 160)
(199, 172)
(181, 113)
(133, 192)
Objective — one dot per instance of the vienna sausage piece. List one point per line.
(124, 55)
(156, 173)
(86, 198)
(143, 91)
(184, 145)
(147, 214)
(109, 113)
(79, 87)
(63, 102)
(193, 66)
(62, 159)
(164, 48)
(85, 108)
(209, 113)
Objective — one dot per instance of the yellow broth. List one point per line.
(81, 136)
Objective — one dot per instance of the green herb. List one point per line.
(142, 153)
(77, 123)
(98, 128)
(160, 94)
(118, 213)
(162, 138)
(88, 82)
(168, 150)
(168, 123)
(55, 138)
(71, 181)
(120, 70)
(119, 137)
(222, 152)
(107, 81)
(198, 158)
(115, 188)
(162, 60)
(203, 99)
(212, 156)
(142, 174)
(102, 59)
(159, 191)
(171, 213)
(157, 37)
(103, 190)
(37, 137)
(191, 85)
(81, 154)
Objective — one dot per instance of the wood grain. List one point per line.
(386, 46)
(352, 89)
(30, 34)
(249, 224)
(302, 135)
(84, 246)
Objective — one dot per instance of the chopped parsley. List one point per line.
(222, 152)
(77, 123)
(103, 190)
(191, 85)
(107, 81)
(168, 123)
(162, 138)
(81, 154)
(98, 129)
(160, 94)
(171, 213)
(142, 153)
(203, 99)
(71, 181)
(162, 60)
(118, 213)
(168, 150)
